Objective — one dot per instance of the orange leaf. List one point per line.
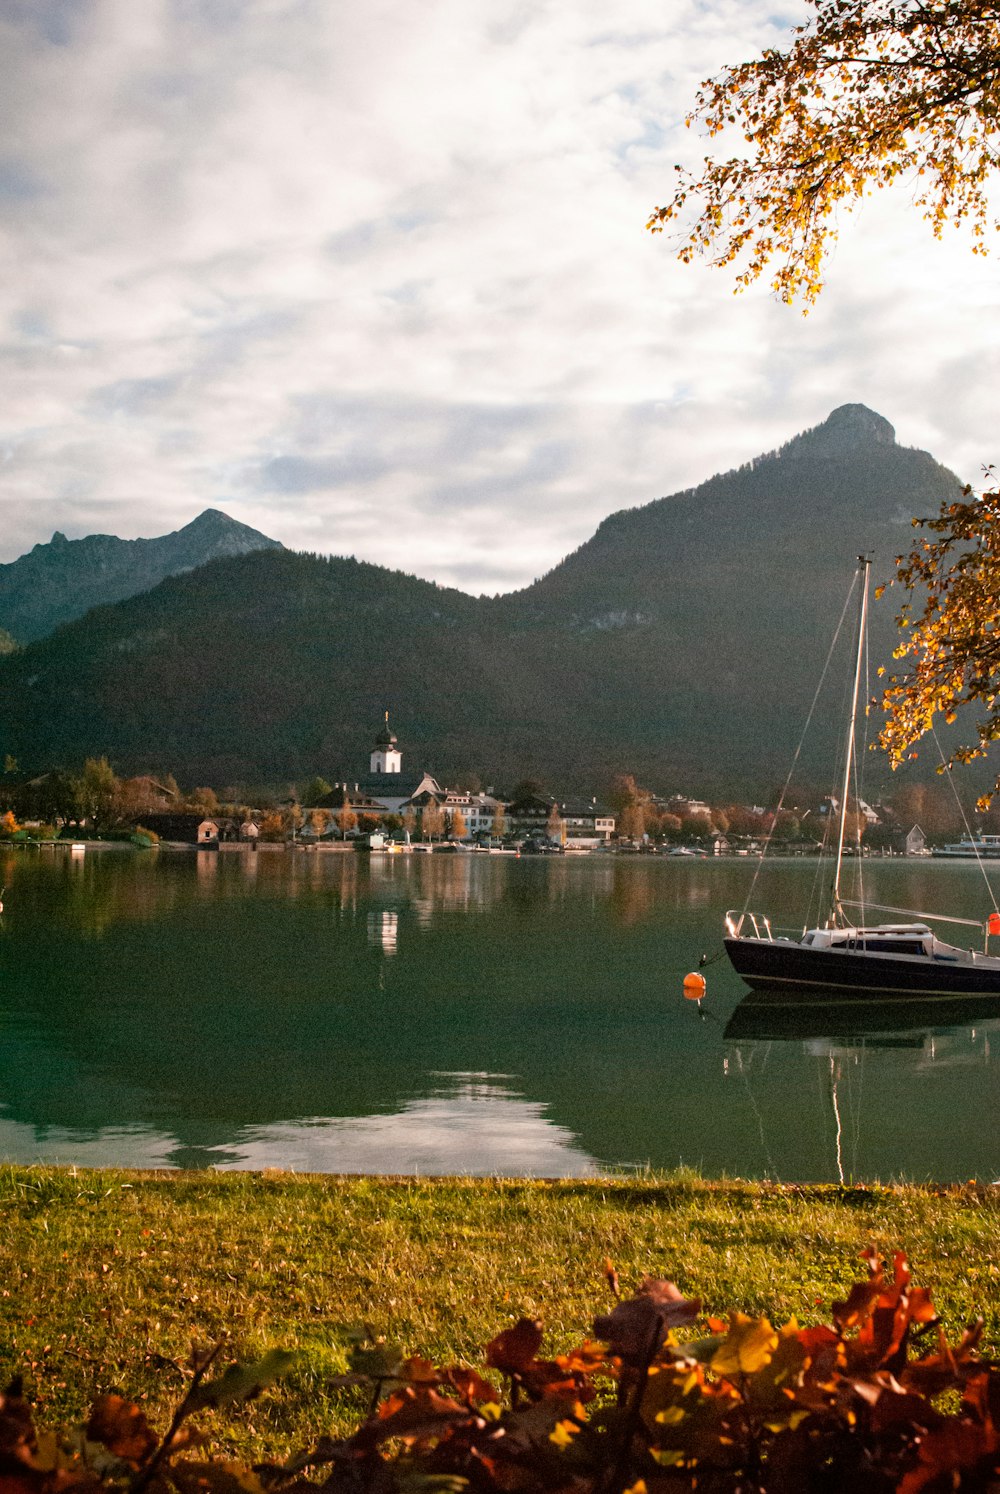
(418, 1371)
(470, 1385)
(414, 1415)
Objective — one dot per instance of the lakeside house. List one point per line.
(588, 823)
(477, 813)
(580, 824)
(191, 828)
(180, 826)
(915, 842)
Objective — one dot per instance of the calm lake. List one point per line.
(460, 1014)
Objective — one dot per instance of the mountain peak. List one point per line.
(210, 518)
(846, 428)
(213, 534)
(56, 582)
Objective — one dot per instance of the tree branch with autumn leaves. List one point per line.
(950, 639)
(868, 94)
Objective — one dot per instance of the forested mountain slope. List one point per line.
(707, 615)
(682, 643)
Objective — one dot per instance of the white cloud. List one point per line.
(375, 280)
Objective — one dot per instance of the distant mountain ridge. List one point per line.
(681, 643)
(59, 581)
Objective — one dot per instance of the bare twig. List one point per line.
(145, 1474)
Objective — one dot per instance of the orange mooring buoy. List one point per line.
(993, 924)
(694, 986)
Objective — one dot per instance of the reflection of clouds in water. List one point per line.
(132, 1146)
(474, 1128)
(480, 1130)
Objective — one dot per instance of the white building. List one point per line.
(385, 786)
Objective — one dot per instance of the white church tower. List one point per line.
(386, 757)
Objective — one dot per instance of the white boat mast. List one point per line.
(864, 566)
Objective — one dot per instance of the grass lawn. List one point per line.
(108, 1277)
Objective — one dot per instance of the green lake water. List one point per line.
(459, 1014)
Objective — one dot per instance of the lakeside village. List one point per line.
(391, 810)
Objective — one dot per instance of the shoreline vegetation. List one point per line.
(98, 806)
(110, 1277)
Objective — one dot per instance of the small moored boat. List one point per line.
(846, 960)
(892, 959)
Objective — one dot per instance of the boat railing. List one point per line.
(759, 922)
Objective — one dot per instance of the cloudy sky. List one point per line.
(374, 278)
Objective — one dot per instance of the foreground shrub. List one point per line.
(875, 1401)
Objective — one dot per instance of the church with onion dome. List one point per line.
(385, 787)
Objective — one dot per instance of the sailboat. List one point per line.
(844, 960)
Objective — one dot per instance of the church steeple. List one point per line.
(386, 757)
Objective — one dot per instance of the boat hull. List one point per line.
(838, 974)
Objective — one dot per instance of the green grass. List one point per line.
(108, 1277)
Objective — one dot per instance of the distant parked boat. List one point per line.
(971, 847)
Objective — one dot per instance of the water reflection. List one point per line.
(383, 931)
(471, 1127)
(854, 1047)
(852, 1024)
(302, 1009)
(478, 1128)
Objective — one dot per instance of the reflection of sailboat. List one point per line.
(762, 1017)
(904, 1038)
(851, 960)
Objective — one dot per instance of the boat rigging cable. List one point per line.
(965, 818)
(850, 763)
(972, 923)
(795, 758)
(707, 959)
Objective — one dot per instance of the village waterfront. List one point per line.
(457, 1014)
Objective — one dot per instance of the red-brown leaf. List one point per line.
(952, 1448)
(122, 1428)
(515, 1348)
(635, 1329)
(814, 1340)
(858, 1306)
(470, 1385)
(414, 1415)
(17, 1431)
